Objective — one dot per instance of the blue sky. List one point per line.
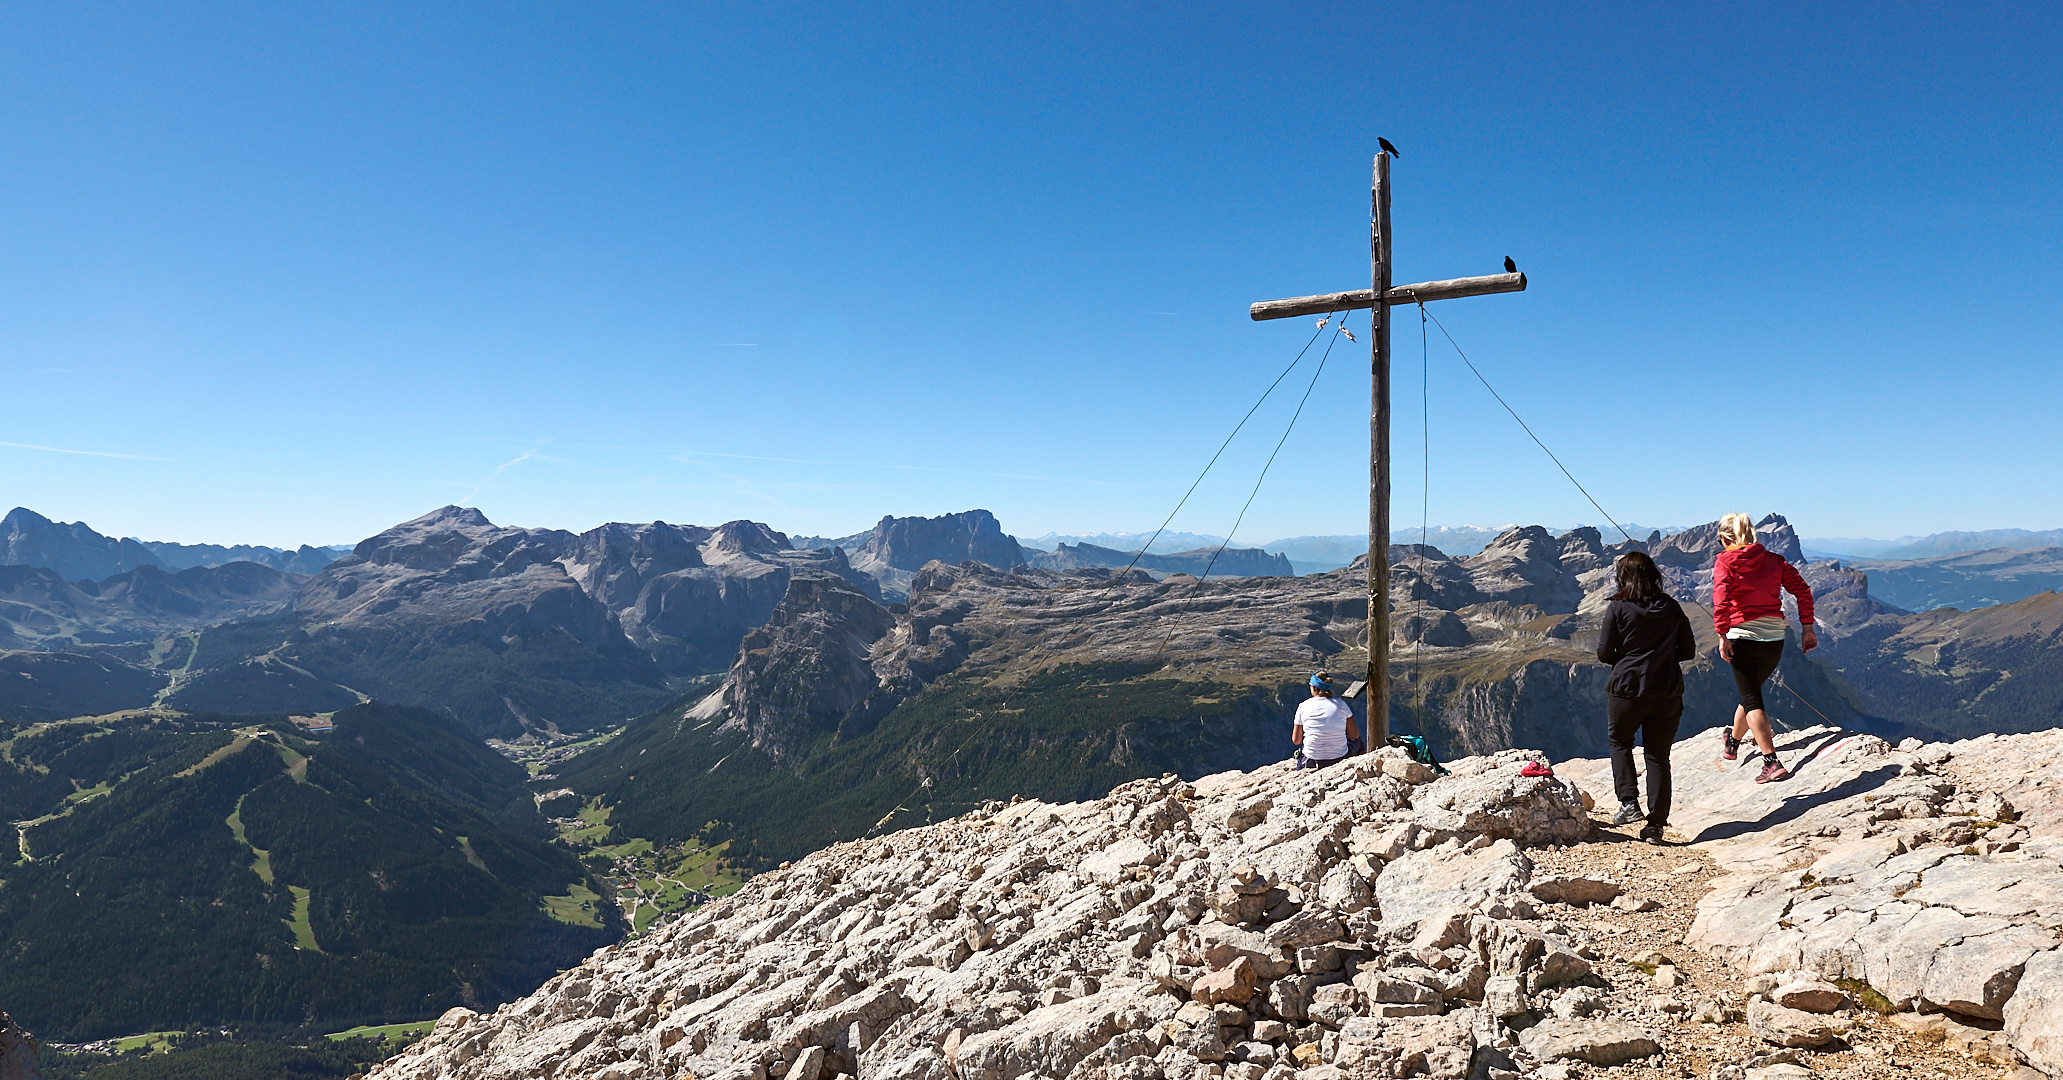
(292, 273)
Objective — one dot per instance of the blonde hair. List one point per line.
(1736, 530)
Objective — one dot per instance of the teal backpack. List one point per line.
(1419, 751)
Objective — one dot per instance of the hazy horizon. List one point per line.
(1182, 541)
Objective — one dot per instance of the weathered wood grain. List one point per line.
(1450, 289)
(1379, 226)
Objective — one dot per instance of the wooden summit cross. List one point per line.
(1379, 298)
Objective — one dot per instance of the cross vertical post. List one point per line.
(1379, 232)
(1378, 299)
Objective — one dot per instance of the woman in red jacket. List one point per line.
(1748, 612)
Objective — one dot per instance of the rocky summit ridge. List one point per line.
(1369, 920)
(1217, 562)
(74, 551)
(509, 629)
(896, 548)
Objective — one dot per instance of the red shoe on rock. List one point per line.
(1773, 771)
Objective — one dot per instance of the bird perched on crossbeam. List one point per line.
(1510, 267)
(1386, 147)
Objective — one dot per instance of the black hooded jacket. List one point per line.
(1644, 642)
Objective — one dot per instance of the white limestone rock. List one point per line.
(1788, 1027)
(1062, 940)
(1598, 1042)
(1499, 802)
(1424, 884)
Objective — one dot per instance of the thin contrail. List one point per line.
(496, 474)
(87, 453)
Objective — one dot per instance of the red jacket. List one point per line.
(1745, 584)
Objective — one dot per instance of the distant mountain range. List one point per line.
(41, 610)
(1965, 580)
(509, 630)
(1305, 554)
(1317, 554)
(1922, 547)
(841, 715)
(1166, 543)
(74, 552)
(515, 631)
(1218, 563)
(896, 548)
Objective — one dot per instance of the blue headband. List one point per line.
(1321, 680)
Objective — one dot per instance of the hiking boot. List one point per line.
(1773, 770)
(1653, 835)
(1627, 815)
(1731, 746)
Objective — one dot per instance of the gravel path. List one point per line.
(1630, 945)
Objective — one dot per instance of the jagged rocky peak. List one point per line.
(1694, 548)
(70, 549)
(909, 543)
(744, 536)
(626, 606)
(1525, 566)
(939, 576)
(1583, 550)
(439, 540)
(898, 547)
(1571, 573)
(806, 670)
(678, 545)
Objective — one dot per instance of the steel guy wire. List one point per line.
(1522, 423)
(1117, 580)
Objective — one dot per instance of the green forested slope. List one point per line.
(54, 685)
(1963, 673)
(273, 662)
(248, 875)
(1048, 736)
(202, 1058)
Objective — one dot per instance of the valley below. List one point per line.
(460, 757)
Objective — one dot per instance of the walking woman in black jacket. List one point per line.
(1645, 636)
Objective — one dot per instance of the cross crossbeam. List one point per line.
(1424, 291)
(1379, 297)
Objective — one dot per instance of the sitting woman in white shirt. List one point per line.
(1323, 726)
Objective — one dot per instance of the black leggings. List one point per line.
(1654, 720)
(1753, 663)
